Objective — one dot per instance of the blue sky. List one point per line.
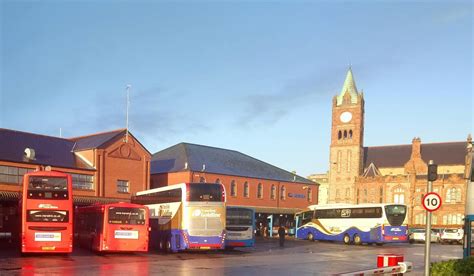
(257, 77)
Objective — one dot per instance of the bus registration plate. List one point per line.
(205, 247)
(47, 236)
(124, 234)
(48, 248)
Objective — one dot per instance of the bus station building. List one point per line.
(105, 167)
(275, 194)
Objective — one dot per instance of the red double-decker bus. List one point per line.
(115, 227)
(47, 212)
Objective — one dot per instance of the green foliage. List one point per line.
(453, 267)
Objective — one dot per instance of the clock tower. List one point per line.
(347, 142)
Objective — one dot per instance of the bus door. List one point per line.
(270, 225)
(297, 224)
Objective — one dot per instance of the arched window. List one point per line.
(345, 134)
(202, 180)
(218, 181)
(246, 189)
(260, 190)
(399, 195)
(273, 192)
(233, 188)
(283, 193)
(350, 134)
(339, 135)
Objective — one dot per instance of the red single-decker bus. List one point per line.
(115, 227)
(46, 213)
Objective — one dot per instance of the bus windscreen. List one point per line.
(123, 215)
(239, 217)
(395, 214)
(205, 192)
(41, 187)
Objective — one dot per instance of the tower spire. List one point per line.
(349, 87)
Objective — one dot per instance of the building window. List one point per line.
(233, 188)
(13, 175)
(339, 135)
(82, 181)
(123, 186)
(420, 219)
(453, 195)
(345, 134)
(246, 189)
(273, 192)
(348, 192)
(434, 219)
(202, 179)
(260, 190)
(350, 134)
(399, 196)
(452, 219)
(283, 193)
(310, 195)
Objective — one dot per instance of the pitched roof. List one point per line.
(450, 153)
(52, 151)
(96, 140)
(371, 171)
(219, 161)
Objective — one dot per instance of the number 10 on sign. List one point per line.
(431, 202)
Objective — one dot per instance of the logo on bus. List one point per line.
(206, 213)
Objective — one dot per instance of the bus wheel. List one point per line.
(168, 245)
(310, 237)
(347, 239)
(161, 245)
(357, 239)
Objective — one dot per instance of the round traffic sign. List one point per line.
(431, 202)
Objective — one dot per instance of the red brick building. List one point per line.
(105, 167)
(248, 181)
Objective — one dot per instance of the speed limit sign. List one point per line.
(431, 202)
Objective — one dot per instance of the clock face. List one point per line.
(346, 117)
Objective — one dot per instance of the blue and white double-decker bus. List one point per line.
(240, 226)
(362, 223)
(187, 216)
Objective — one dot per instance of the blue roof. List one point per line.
(219, 161)
(52, 151)
(95, 140)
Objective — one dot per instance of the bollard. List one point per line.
(384, 260)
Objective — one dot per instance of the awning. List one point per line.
(9, 196)
(88, 200)
(274, 210)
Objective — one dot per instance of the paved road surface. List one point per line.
(296, 258)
